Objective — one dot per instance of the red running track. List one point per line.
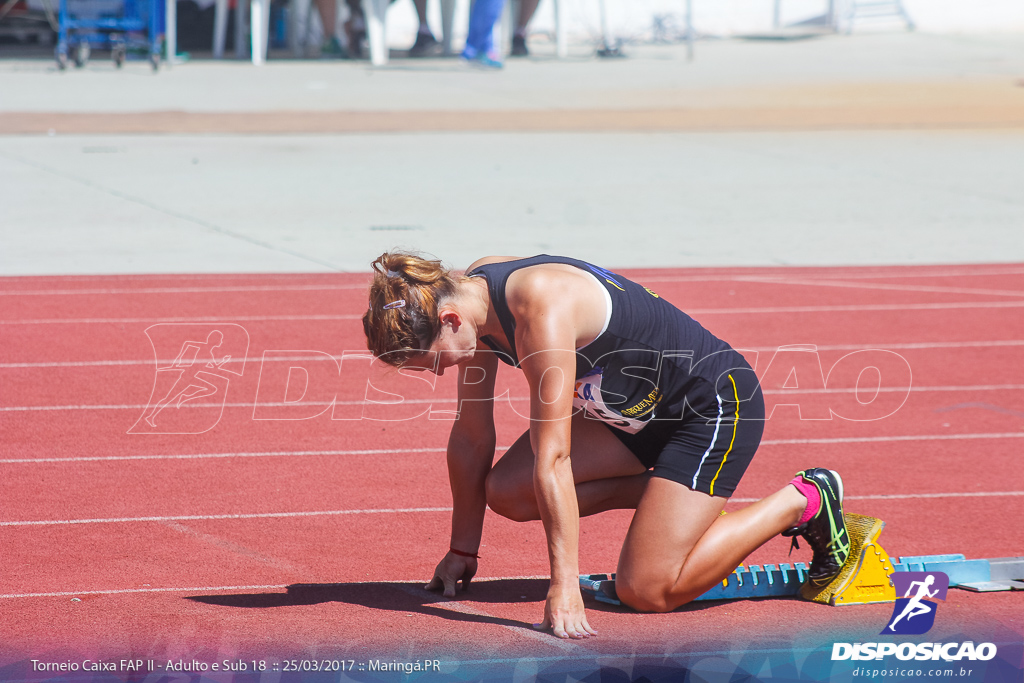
(121, 542)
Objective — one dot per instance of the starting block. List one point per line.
(864, 579)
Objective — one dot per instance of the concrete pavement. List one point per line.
(924, 168)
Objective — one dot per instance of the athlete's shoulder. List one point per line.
(487, 260)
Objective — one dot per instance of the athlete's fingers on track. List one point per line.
(446, 585)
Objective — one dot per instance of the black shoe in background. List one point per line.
(519, 48)
(425, 46)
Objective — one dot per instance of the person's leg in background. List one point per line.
(526, 10)
(355, 28)
(426, 45)
(479, 42)
(331, 47)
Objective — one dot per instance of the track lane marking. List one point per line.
(251, 515)
(193, 319)
(694, 311)
(205, 456)
(126, 591)
(279, 586)
(521, 399)
(826, 282)
(913, 496)
(332, 513)
(399, 451)
(182, 290)
(759, 349)
(855, 274)
(835, 273)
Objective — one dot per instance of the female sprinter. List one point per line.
(633, 405)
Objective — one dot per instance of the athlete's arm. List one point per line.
(546, 341)
(470, 454)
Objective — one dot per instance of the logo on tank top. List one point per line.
(587, 396)
(608, 276)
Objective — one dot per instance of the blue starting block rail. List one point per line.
(755, 581)
(994, 574)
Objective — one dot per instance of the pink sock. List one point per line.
(812, 495)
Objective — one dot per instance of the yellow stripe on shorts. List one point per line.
(735, 428)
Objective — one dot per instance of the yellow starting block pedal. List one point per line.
(864, 578)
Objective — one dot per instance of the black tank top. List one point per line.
(651, 356)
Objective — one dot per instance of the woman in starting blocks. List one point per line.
(633, 405)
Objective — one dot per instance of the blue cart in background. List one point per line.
(122, 26)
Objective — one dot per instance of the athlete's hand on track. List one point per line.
(450, 570)
(564, 614)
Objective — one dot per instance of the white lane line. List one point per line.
(397, 451)
(852, 308)
(908, 496)
(125, 591)
(139, 406)
(858, 274)
(333, 513)
(518, 399)
(883, 286)
(182, 290)
(890, 439)
(879, 275)
(925, 389)
(360, 355)
(338, 358)
(253, 515)
(892, 346)
(271, 586)
(694, 311)
(194, 319)
(205, 456)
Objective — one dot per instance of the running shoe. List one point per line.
(483, 61)
(426, 45)
(826, 531)
(519, 48)
(332, 48)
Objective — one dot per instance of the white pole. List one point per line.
(170, 31)
(561, 44)
(604, 26)
(375, 11)
(689, 30)
(447, 21)
(220, 28)
(256, 30)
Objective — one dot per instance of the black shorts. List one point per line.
(709, 447)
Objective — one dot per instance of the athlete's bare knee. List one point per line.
(508, 499)
(644, 598)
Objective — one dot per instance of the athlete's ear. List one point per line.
(449, 316)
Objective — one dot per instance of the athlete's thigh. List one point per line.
(595, 454)
(669, 521)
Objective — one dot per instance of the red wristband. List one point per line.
(464, 554)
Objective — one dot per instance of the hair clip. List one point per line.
(393, 273)
(395, 304)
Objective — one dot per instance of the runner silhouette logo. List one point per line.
(194, 366)
(914, 613)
